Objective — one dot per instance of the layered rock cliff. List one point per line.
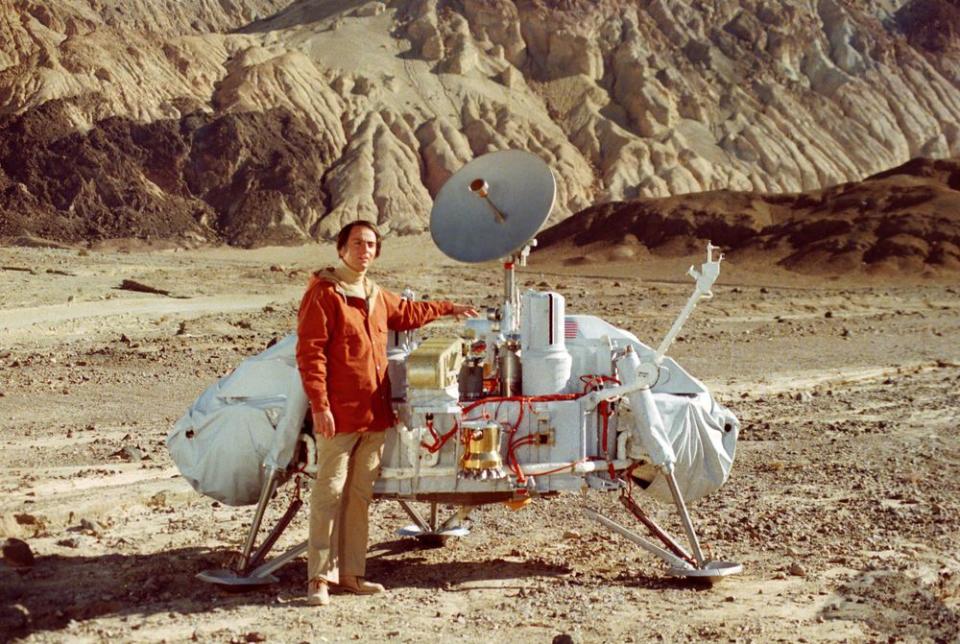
(270, 121)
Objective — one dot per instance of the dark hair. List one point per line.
(344, 234)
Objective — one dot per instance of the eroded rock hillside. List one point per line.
(271, 121)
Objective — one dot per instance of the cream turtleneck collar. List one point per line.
(347, 275)
(354, 283)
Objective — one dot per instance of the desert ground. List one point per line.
(843, 505)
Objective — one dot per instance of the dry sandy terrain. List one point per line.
(844, 504)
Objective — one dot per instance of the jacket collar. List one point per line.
(335, 277)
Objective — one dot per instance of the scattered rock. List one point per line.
(86, 526)
(17, 553)
(139, 287)
(129, 453)
(797, 570)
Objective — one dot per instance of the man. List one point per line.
(342, 357)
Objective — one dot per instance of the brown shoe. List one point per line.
(317, 593)
(359, 585)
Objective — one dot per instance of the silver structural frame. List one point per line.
(252, 571)
(678, 566)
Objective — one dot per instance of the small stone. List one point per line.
(255, 636)
(17, 553)
(828, 314)
(276, 268)
(571, 534)
(803, 396)
(797, 570)
(26, 519)
(563, 638)
(69, 542)
(129, 453)
(87, 527)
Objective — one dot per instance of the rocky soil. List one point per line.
(843, 506)
(268, 121)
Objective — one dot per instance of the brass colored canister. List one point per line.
(481, 457)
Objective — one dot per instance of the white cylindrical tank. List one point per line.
(544, 357)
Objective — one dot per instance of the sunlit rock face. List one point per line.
(270, 121)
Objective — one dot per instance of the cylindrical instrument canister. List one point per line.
(510, 372)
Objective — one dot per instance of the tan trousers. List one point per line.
(347, 467)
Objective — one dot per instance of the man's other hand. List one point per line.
(323, 424)
(462, 310)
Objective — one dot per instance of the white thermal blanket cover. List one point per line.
(703, 436)
(242, 426)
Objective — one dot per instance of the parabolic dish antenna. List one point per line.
(492, 206)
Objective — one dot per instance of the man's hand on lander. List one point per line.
(323, 424)
(464, 310)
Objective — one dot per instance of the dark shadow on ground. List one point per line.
(302, 12)
(58, 589)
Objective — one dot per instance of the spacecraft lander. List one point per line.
(528, 401)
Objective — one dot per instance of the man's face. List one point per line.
(360, 249)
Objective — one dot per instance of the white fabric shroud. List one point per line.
(703, 436)
(242, 426)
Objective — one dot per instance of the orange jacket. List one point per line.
(342, 350)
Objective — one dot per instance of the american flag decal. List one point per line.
(569, 328)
